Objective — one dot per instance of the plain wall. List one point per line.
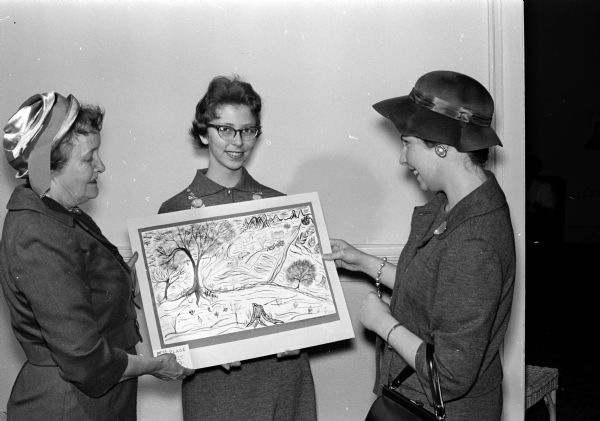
(319, 66)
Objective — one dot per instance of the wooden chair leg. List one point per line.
(550, 400)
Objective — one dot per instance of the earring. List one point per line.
(441, 150)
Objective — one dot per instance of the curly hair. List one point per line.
(223, 90)
(89, 120)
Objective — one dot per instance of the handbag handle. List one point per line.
(434, 382)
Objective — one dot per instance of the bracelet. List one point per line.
(387, 338)
(378, 277)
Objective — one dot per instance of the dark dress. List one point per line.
(263, 388)
(69, 294)
(454, 289)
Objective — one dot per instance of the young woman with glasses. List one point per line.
(227, 123)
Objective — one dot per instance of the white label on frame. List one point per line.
(182, 352)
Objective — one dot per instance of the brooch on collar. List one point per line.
(257, 195)
(196, 202)
(441, 229)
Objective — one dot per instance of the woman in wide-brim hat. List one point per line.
(68, 290)
(453, 284)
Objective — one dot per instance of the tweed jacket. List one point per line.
(69, 294)
(454, 289)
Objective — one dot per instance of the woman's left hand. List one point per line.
(132, 260)
(229, 366)
(373, 311)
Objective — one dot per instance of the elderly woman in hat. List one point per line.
(68, 290)
(453, 284)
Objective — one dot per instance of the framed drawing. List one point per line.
(239, 281)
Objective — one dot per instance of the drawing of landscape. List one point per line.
(236, 273)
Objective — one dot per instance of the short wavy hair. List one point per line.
(89, 120)
(223, 90)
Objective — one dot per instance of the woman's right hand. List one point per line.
(229, 366)
(164, 367)
(170, 369)
(346, 256)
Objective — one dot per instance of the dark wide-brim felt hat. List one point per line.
(445, 107)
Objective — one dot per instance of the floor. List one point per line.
(562, 325)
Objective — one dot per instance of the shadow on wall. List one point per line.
(344, 184)
(362, 334)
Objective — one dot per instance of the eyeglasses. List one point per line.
(228, 133)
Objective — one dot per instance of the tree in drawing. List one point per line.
(193, 241)
(260, 317)
(301, 272)
(166, 274)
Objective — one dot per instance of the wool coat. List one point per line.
(69, 294)
(454, 289)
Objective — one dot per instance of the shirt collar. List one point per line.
(204, 186)
(485, 198)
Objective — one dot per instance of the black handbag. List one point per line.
(393, 406)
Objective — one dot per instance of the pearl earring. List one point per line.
(441, 150)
